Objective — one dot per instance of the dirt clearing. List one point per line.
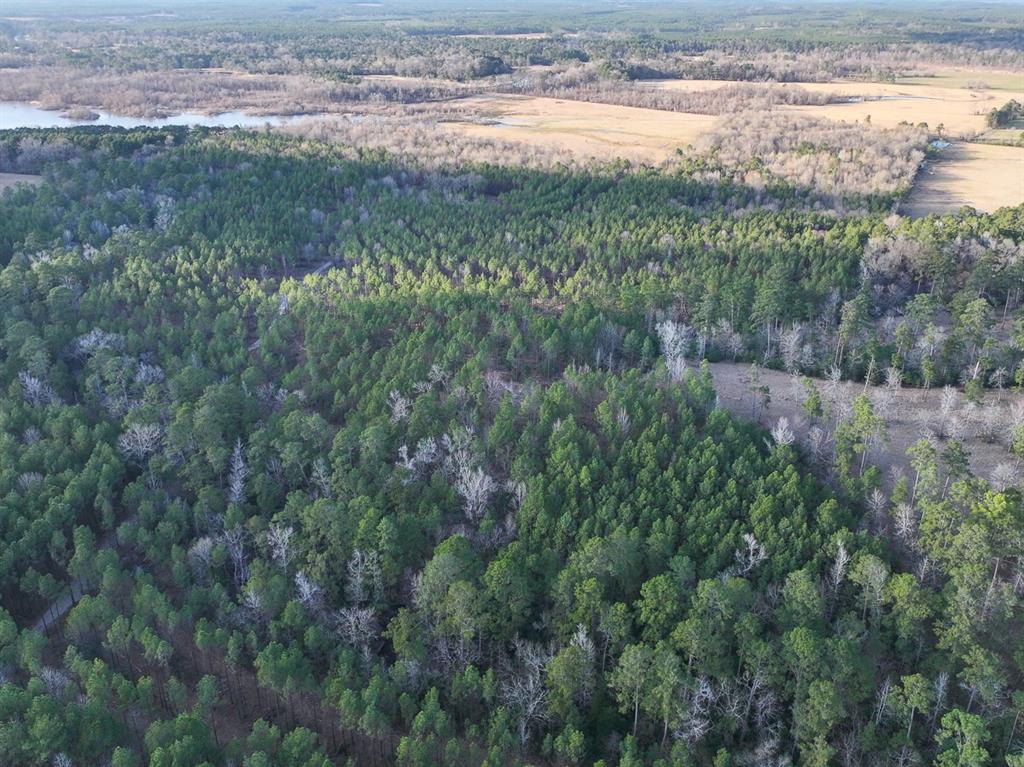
(912, 414)
(13, 179)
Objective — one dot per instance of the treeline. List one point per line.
(163, 94)
(585, 83)
(1006, 115)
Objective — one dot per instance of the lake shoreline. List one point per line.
(16, 114)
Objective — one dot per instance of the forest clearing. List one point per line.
(984, 176)
(588, 130)
(8, 180)
(912, 414)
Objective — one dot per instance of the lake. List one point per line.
(19, 115)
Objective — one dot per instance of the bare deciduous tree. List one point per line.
(1015, 422)
(949, 404)
(253, 604)
(750, 555)
(675, 340)
(399, 407)
(140, 440)
(475, 486)
(426, 453)
(309, 593)
(877, 504)
(782, 433)
(794, 352)
(279, 541)
(882, 701)
(905, 522)
(28, 480)
(818, 445)
(56, 681)
(365, 579)
(524, 691)
(95, 340)
(235, 539)
(1004, 476)
(200, 557)
(838, 572)
(357, 627)
(237, 474)
(695, 721)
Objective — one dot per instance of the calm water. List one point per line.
(17, 115)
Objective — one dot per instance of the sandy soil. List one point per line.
(11, 179)
(984, 176)
(586, 129)
(905, 423)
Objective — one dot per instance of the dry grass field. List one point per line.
(586, 129)
(960, 113)
(8, 180)
(991, 79)
(1005, 135)
(984, 176)
(958, 100)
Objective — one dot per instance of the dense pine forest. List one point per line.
(350, 460)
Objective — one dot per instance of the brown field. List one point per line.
(648, 135)
(8, 180)
(984, 176)
(586, 129)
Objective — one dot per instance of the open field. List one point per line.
(992, 79)
(960, 113)
(8, 180)
(1008, 136)
(984, 176)
(586, 129)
